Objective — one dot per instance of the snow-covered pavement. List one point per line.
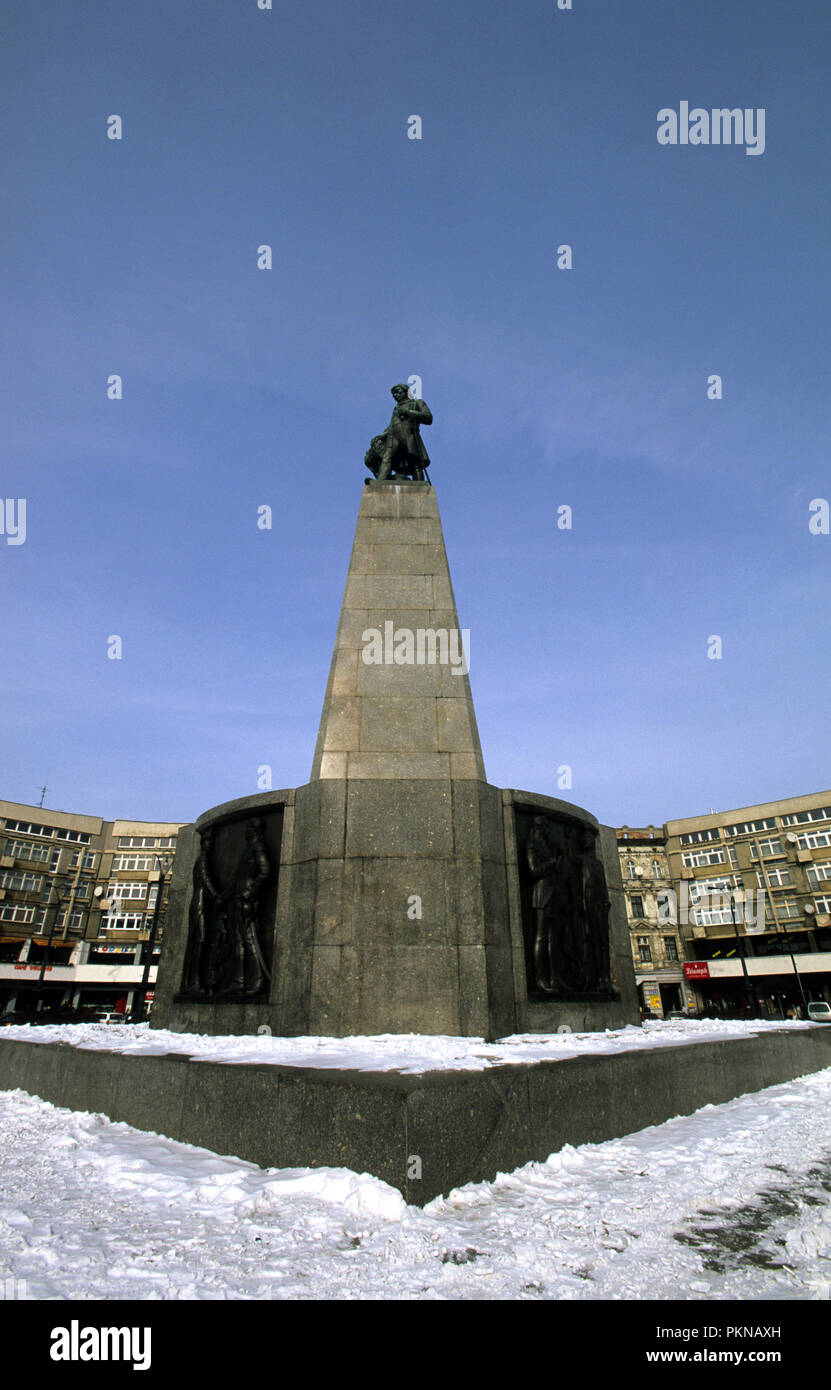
(729, 1203)
(402, 1052)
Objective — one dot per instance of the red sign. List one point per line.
(696, 970)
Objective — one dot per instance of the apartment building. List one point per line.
(730, 913)
(79, 904)
(754, 904)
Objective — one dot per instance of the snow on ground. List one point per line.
(402, 1052)
(729, 1203)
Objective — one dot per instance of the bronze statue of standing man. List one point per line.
(400, 450)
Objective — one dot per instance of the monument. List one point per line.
(398, 891)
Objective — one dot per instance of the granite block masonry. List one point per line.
(397, 891)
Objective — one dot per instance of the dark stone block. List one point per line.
(401, 819)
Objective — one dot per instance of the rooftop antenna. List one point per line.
(43, 791)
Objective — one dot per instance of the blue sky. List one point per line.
(395, 257)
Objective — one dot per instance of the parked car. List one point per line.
(819, 1013)
(110, 1016)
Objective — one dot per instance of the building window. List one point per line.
(818, 839)
(750, 827)
(147, 842)
(657, 869)
(819, 872)
(133, 863)
(631, 869)
(133, 921)
(26, 849)
(766, 849)
(778, 876)
(637, 905)
(787, 909)
(79, 891)
(703, 857)
(73, 920)
(697, 837)
(21, 882)
(126, 890)
(712, 916)
(644, 953)
(88, 861)
(707, 886)
(11, 912)
(801, 817)
(670, 948)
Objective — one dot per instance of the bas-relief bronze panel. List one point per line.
(565, 907)
(232, 910)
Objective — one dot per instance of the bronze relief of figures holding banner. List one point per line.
(568, 910)
(224, 956)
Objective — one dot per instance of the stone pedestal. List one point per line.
(400, 900)
(404, 917)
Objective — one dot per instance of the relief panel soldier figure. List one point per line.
(206, 898)
(249, 972)
(569, 901)
(543, 859)
(224, 954)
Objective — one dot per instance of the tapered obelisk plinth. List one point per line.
(398, 703)
(404, 912)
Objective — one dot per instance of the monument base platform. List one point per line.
(422, 1134)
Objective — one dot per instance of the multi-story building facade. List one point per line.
(79, 903)
(743, 897)
(656, 945)
(754, 904)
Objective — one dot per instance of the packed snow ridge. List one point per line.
(399, 1052)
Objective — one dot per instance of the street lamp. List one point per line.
(54, 901)
(809, 909)
(159, 876)
(747, 987)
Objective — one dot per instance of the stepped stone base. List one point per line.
(461, 1126)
